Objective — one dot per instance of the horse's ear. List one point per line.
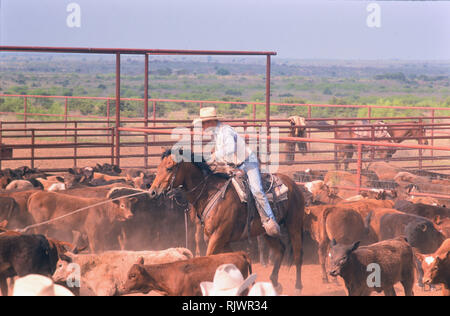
(140, 260)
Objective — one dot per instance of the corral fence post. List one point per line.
(112, 145)
(75, 146)
(118, 109)
(154, 118)
(359, 168)
(309, 130)
(32, 147)
(146, 112)
(65, 117)
(335, 137)
(372, 137)
(254, 113)
(25, 110)
(1, 137)
(108, 113)
(432, 132)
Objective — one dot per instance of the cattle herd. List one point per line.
(99, 231)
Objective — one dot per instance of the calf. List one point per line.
(95, 221)
(19, 185)
(10, 212)
(21, 199)
(394, 258)
(52, 183)
(344, 225)
(4, 181)
(103, 274)
(436, 267)
(21, 255)
(421, 233)
(181, 278)
(322, 193)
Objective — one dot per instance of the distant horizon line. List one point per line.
(196, 58)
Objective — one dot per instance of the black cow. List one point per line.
(21, 255)
(429, 211)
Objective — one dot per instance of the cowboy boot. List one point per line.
(272, 228)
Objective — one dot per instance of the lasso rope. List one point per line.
(77, 211)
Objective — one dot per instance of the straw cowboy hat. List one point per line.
(206, 114)
(228, 281)
(38, 285)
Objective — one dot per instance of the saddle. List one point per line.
(276, 191)
(274, 188)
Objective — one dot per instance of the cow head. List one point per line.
(122, 204)
(423, 235)
(321, 192)
(78, 175)
(339, 256)
(4, 181)
(433, 267)
(143, 181)
(138, 280)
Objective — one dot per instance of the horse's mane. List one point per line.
(196, 160)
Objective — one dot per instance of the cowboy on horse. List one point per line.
(230, 149)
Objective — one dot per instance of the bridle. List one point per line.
(170, 189)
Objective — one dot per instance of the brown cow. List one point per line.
(21, 198)
(420, 231)
(383, 170)
(181, 278)
(436, 267)
(342, 178)
(95, 221)
(4, 181)
(327, 222)
(364, 207)
(393, 260)
(322, 193)
(10, 211)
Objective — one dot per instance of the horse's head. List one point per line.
(166, 174)
(420, 131)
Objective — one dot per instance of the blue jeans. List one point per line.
(251, 168)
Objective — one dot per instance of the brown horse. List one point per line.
(227, 221)
(296, 131)
(398, 133)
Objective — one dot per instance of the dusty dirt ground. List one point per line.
(312, 282)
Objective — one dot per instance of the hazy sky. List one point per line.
(293, 28)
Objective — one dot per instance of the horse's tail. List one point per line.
(298, 201)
